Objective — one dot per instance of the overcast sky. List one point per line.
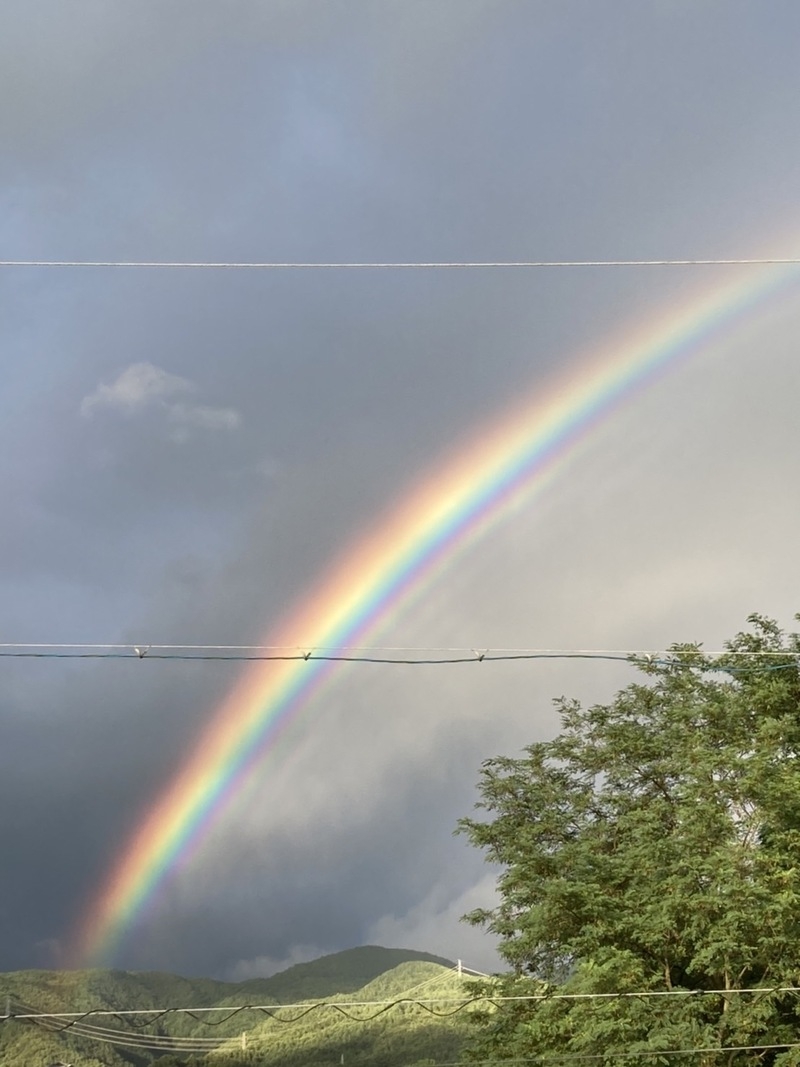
(183, 452)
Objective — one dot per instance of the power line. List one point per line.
(402, 656)
(165, 1042)
(400, 265)
(59, 1022)
(194, 1044)
(143, 650)
(71, 1018)
(74, 1022)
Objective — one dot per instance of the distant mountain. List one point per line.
(341, 972)
(280, 1037)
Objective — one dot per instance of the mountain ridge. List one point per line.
(364, 973)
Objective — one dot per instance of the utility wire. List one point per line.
(412, 657)
(304, 1007)
(383, 651)
(121, 1038)
(423, 265)
(143, 649)
(167, 1043)
(161, 1042)
(164, 1042)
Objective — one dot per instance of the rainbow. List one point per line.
(506, 464)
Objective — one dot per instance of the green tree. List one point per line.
(654, 847)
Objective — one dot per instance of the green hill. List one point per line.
(314, 1034)
(341, 972)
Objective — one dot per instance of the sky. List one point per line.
(184, 453)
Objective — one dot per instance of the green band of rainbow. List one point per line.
(507, 463)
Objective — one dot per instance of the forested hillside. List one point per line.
(307, 1034)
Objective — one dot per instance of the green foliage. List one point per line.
(31, 1046)
(340, 972)
(402, 1035)
(399, 1037)
(654, 845)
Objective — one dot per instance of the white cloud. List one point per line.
(205, 418)
(140, 386)
(188, 417)
(264, 966)
(435, 925)
(143, 386)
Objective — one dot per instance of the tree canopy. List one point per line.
(653, 848)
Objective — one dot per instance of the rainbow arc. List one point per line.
(461, 500)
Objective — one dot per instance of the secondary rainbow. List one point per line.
(506, 463)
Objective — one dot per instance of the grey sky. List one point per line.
(184, 453)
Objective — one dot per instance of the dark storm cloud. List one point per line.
(370, 860)
(184, 453)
